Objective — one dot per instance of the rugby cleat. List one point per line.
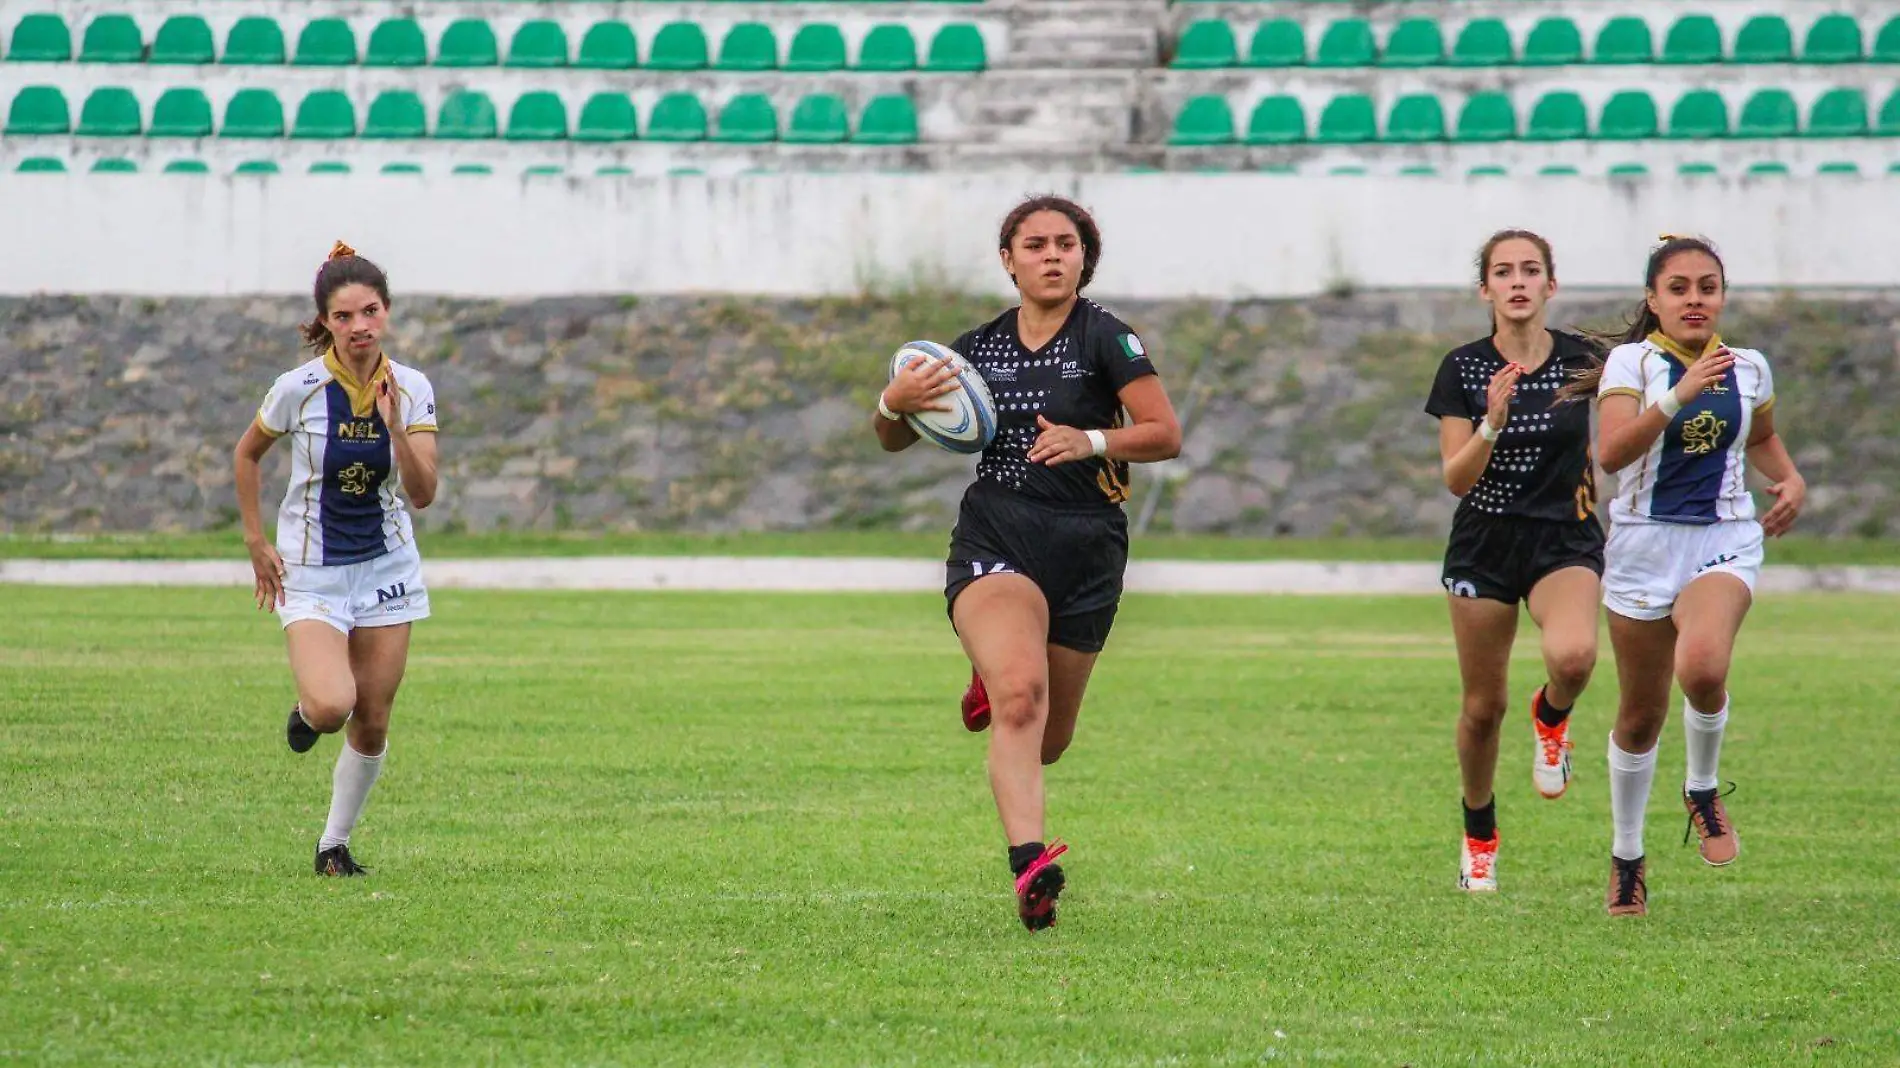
(301, 736)
(1038, 887)
(336, 860)
(1629, 890)
(1550, 764)
(1708, 818)
(976, 704)
(1478, 867)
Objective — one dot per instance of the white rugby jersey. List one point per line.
(1696, 471)
(341, 506)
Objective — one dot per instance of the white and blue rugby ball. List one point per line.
(970, 423)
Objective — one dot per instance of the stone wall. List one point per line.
(1304, 418)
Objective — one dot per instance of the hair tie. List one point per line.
(341, 250)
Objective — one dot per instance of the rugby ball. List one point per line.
(970, 423)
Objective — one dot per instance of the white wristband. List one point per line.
(1098, 441)
(1670, 404)
(1487, 431)
(885, 410)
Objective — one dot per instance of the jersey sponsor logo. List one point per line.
(1725, 558)
(354, 479)
(431, 407)
(1702, 434)
(1071, 369)
(391, 593)
(1132, 346)
(1460, 587)
(1000, 372)
(310, 380)
(357, 430)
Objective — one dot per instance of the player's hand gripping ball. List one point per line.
(943, 397)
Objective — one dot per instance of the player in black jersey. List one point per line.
(1035, 567)
(1525, 530)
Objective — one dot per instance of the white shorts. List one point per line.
(375, 593)
(1646, 566)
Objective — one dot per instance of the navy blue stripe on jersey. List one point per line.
(1695, 452)
(355, 463)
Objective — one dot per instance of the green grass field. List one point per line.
(749, 830)
(445, 546)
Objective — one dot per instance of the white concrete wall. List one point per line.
(1167, 236)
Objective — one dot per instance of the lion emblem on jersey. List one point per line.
(1702, 434)
(354, 479)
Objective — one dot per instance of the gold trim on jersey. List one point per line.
(420, 428)
(258, 421)
(1621, 391)
(1765, 406)
(1683, 355)
(362, 394)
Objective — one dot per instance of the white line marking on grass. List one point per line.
(860, 574)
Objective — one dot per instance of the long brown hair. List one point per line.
(1643, 320)
(343, 268)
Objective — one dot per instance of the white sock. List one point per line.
(1703, 733)
(1630, 776)
(349, 788)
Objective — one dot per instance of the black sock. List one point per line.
(1022, 856)
(1548, 714)
(1481, 823)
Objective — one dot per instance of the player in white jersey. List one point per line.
(344, 574)
(1681, 416)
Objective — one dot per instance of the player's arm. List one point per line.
(915, 389)
(266, 566)
(1626, 429)
(1153, 432)
(1769, 455)
(1464, 448)
(415, 462)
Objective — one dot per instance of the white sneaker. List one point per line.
(1478, 872)
(1550, 763)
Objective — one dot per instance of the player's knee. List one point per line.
(1483, 711)
(1018, 704)
(327, 712)
(1570, 668)
(1702, 677)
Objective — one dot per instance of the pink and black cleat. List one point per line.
(1038, 887)
(976, 705)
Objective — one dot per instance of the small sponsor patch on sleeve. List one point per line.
(1132, 346)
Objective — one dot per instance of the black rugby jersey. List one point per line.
(1074, 380)
(1541, 465)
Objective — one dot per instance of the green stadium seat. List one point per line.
(1887, 44)
(1204, 120)
(679, 46)
(1832, 39)
(41, 38)
(538, 116)
(1629, 170)
(1347, 119)
(1838, 113)
(1483, 43)
(1768, 169)
(1205, 45)
(1558, 170)
(1347, 170)
(324, 114)
(606, 117)
(1843, 167)
(326, 43)
(114, 166)
(1694, 39)
(1553, 42)
(1277, 43)
(958, 46)
(1346, 43)
(395, 114)
(1558, 116)
(1418, 170)
(542, 170)
(1888, 125)
(1487, 116)
(258, 166)
(817, 46)
(1764, 39)
(749, 46)
(1416, 118)
(1698, 114)
(467, 115)
(253, 113)
(1769, 113)
(1624, 39)
(39, 109)
(889, 47)
(468, 43)
(110, 111)
(255, 41)
(329, 166)
(1277, 120)
(677, 117)
(112, 39)
(890, 119)
(820, 119)
(539, 43)
(472, 170)
(1414, 43)
(614, 172)
(1693, 170)
(187, 166)
(1629, 115)
(181, 112)
(184, 39)
(1487, 170)
(41, 165)
(747, 118)
(402, 168)
(608, 46)
(397, 43)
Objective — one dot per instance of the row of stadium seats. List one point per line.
(114, 111)
(1557, 116)
(400, 42)
(1553, 41)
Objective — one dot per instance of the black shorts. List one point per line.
(1075, 554)
(1499, 558)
